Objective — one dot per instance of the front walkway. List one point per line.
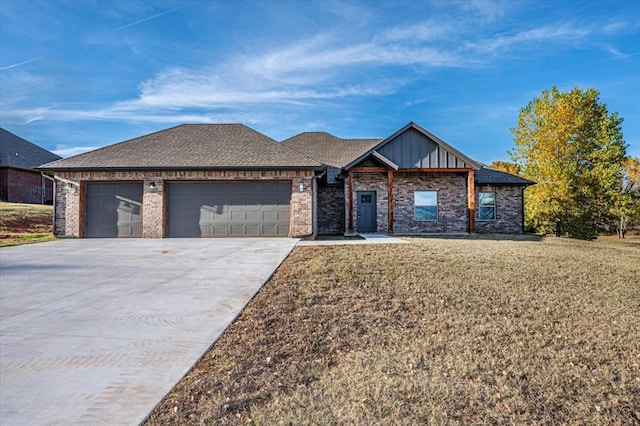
(367, 239)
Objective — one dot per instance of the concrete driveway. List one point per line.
(98, 331)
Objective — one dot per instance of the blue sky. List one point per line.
(83, 74)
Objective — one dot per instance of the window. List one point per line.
(425, 205)
(487, 208)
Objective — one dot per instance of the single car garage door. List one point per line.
(113, 210)
(228, 209)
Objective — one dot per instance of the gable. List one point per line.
(413, 149)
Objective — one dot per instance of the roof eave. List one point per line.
(528, 183)
(24, 169)
(174, 168)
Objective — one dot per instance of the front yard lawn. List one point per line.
(25, 223)
(437, 331)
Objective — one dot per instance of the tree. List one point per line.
(573, 148)
(627, 206)
(506, 166)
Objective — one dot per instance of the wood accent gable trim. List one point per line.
(471, 198)
(390, 202)
(350, 203)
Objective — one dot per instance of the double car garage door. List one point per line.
(193, 209)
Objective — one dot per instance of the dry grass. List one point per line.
(630, 240)
(25, 223)
(440, 331)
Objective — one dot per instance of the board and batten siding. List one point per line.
(412, 149)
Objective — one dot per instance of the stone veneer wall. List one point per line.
(452, 202)
(508, 209)
(331, 210)
(69, 186)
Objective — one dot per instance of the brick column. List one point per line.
(153, 209)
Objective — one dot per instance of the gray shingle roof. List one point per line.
(328, 149)
(192, 146)
(489, 176)
(18, 152)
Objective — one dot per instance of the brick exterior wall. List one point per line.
(371, 182)
(331, 210)
(24, 186)
(452, 202)
(70, 185)
(508, 209)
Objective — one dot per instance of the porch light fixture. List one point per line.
(301, 186)
(153, 187)
(68, 186)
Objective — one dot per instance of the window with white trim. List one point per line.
(487, 206)
(425, 205)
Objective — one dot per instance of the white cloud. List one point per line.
(19, 64)
(141, 21)
(421, 31)
(313, 72)
(530, 37)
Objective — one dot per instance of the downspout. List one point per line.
(54, 200)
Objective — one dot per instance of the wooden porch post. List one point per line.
(390, 202)
(471, 195)
(350, 203)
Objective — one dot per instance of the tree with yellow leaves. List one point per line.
(506, 166)
(573, 148)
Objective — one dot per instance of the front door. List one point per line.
(366, 211)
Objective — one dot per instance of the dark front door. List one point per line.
(366, 211)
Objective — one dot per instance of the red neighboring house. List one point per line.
(19, 183)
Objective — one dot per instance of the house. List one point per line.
(19, 182)
(208, 180)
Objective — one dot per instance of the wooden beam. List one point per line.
(471, 197)
(350, 201)
(390, 202)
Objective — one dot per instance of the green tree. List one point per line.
(571, 145)
(627, 206)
